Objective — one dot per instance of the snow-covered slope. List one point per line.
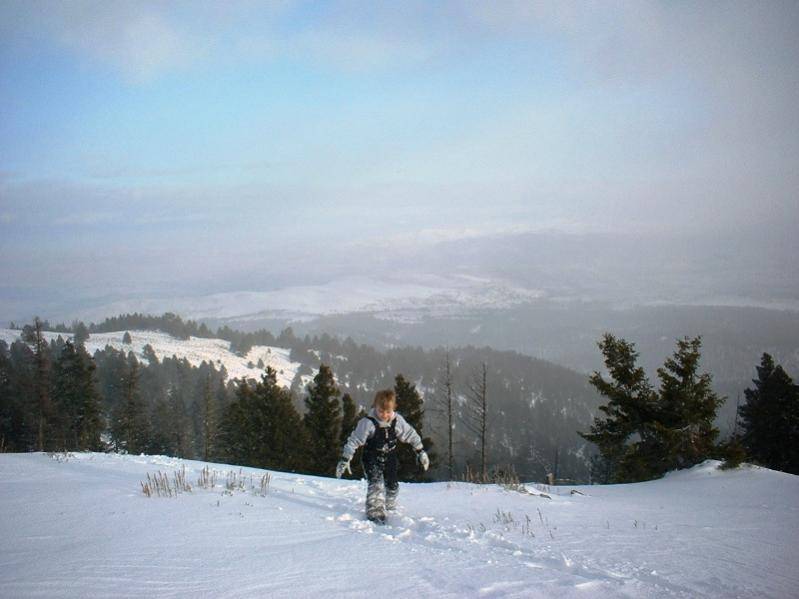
(399, 297)
(195, 349)
(83, 528)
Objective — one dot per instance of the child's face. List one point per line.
(385, 412)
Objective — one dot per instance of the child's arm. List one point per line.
(407, 434)
(358, 437)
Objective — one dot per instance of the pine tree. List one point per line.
(130, 428)
(19, 413)
(283, 439)
(349, 417)
(160, 438)
(34, 335)
(410, 405)
(323, 422)
(12, 398)
(149, 354)
(687, 409)
(770, 418)
(630, 410)
(78, 402)
(80, 334)
(209, 419)
(262, 428)
(179, 422)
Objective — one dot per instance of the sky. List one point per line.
(192, 147)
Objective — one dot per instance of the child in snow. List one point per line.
(379, 431)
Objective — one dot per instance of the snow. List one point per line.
(404, 296)
(194, 349)
(81, 527)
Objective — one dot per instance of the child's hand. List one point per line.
(342, 467)
(424, 461)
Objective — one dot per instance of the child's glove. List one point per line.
(424, 461)
(342, 467)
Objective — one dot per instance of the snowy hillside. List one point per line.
(390, 298)
(195, 349)
(81, 527)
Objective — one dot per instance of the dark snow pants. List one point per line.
(382, 483)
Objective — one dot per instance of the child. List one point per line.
(379, 431)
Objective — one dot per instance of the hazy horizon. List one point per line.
(646, 151)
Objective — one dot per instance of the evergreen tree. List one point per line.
(687, 409)
(349, 417)
(12, 398)
(209, 418)
(19, 414)
(130, 426)
(161, 439)
(80, 334)
(262, 428)
(77, 400)
(410, 405)
(112, 366)
(34, 335)
(770, 418)
(323, 422)
(629, 411)
(126, 338)
(149, 354)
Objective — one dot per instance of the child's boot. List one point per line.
(375, 497)
(391, 498)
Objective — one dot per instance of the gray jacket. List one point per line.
(366, 428)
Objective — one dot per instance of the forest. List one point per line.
(480, 410)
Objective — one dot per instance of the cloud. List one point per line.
(141, 41)
(431, 236)
(82, 219)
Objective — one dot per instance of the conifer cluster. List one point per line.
(644, 432)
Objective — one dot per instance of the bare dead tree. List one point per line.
(476, 416)
(445, 405)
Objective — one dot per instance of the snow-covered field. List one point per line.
(195, 349)
(386, 297)
(82, 527)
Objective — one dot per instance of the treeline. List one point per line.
(175, 326)
(56, 397)
(534, 408)
(262, 428)
(483, 409)
(645, 432)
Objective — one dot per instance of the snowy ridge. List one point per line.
(194, 349)
(385, 297)
(697, 533)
